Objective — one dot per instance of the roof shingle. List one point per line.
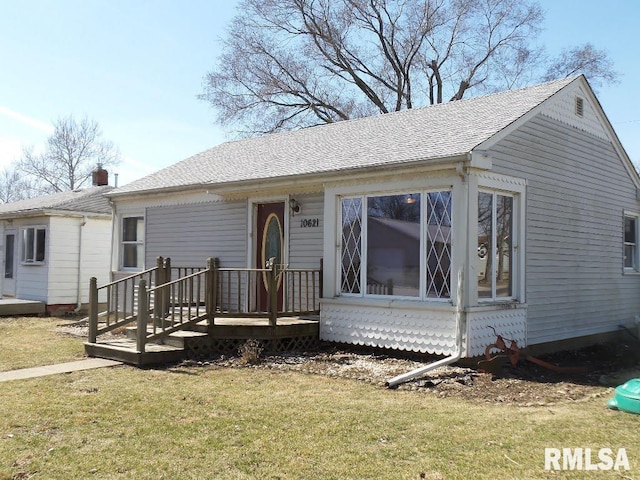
(432, 132)
(89, 200)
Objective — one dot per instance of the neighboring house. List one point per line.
(52, 245)
(526, 196)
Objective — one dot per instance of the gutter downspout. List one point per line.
(405, 377)
(78, 278)
(460, 313)
(113, 265)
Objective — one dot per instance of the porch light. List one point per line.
(294, 205)
(410, 199)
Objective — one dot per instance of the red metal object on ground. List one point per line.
(514, 354)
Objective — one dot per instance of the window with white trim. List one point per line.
(33, 242)
(132, 245)
(495, 246)
(396, 245)
(631, 242)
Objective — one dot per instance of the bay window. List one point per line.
(396, 245)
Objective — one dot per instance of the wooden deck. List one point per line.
(225, 337)
(16, 306)
(260, 328)
(205, 311)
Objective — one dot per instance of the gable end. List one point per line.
(572, 107)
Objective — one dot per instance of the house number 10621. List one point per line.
(309, 223)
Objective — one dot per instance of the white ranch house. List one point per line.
(526, 196)
(51, 246)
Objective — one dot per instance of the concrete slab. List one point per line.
(17, 306)
(86, 364)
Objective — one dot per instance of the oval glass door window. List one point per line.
(271, 242)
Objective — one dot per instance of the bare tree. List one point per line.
(584, 58)
(294, 63)
(72, 152)
(14, 186)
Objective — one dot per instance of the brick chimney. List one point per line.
(100, 176)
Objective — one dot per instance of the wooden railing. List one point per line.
(303, 290)
(177, 304)
(237, 289)
(162, 306)
(121, 300)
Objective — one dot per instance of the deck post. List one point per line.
(320, 279)
(143, 316)
(157, 301)
(211, 288)
(272, 290)
(166, 294)
(93, 310)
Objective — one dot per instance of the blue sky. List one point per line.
(136, 66)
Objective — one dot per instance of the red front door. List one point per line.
(269, 243)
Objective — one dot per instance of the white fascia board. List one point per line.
(52, 213)
(292, 184)
(480, 159)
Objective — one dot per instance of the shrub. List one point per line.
(250, 351)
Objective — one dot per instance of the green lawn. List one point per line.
(201, 423)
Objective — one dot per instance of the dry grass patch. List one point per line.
(201, 422)
(196, 423)
(32, 341)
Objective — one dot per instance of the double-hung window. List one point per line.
(33, 244)
(631, 242)
(396, 245)
(495, 246)
(132, 242)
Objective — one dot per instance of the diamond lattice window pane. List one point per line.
(351, 245)
(438, 244)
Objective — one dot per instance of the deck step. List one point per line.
(175, 339)
(124, 350)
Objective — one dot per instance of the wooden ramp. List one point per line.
(16, 306)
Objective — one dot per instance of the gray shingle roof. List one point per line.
(89, 200)
(432, 132)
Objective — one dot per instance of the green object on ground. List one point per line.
(627, 397)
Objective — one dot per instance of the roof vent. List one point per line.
(579, 106)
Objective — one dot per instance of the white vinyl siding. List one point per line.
(305, 247)
(305, 234)
(65, 250)
(63, 260)
(189, 234)
(578, 188)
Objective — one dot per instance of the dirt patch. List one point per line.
(526, 384)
